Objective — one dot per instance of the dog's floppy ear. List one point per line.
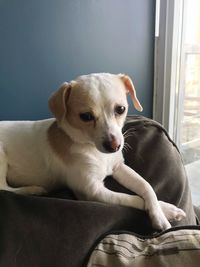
(131, 89)
(57, 101)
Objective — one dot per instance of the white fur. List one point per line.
(30, 165)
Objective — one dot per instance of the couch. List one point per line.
(58, 230)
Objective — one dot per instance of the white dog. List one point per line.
(80, 147)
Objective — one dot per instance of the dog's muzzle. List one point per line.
(111, 144)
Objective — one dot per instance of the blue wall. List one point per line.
(46, 42)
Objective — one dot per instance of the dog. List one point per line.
(80, 147)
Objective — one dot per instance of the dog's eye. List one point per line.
(119, 110)
(87, 116)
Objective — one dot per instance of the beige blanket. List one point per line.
(174, 248)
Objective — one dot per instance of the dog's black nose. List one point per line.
(111, 146)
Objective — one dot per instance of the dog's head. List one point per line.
(92, 109)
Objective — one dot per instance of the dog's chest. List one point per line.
(93, 161)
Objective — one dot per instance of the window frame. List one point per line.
(168, 65)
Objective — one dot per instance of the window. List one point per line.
(189, 114)
(177, 80)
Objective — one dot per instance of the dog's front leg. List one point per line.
(98, 192)
(134, 182)
(160, 212)
(94, 189)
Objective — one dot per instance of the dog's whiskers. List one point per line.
(128, 133)
(127, 147)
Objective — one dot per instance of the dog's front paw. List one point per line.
(172, 212)
(31, 190)
(158, 219)
(36, 190)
